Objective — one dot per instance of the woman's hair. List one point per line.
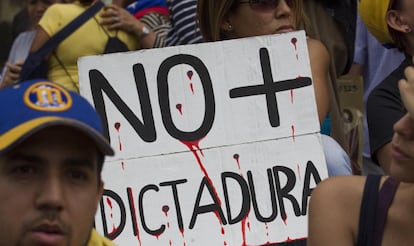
(86, 2)
(211, 13)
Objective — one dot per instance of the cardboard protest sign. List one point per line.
(216, 143)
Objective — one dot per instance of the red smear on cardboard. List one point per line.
(179, 107)
(294, 41)
(129, 190)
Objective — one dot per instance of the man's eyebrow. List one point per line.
(80, 162)
(23, 157)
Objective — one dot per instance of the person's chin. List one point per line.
(45, 238)
(402, 170)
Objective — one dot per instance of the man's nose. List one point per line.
(50, 194)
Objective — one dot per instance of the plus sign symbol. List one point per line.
(269, 88)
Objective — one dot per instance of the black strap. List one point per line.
(54, 41)
(368, 210)
(386, 196)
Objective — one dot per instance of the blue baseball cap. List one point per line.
(31, 106)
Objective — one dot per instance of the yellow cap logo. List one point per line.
(47, 96)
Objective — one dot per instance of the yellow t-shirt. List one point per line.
(88, 39)
(98, 240)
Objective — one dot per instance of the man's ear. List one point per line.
(397, 21)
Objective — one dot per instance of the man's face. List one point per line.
(49, 189)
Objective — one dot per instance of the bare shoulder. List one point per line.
(334, 211)
(318, 48)
(316, 44)
(336, 189)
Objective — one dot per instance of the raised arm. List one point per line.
(319, 62)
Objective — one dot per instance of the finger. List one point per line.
(13, 73)
(14, 76)
(109, 11)
(110, 6)
(14, 68)
(409, 74)
(406, 88)
(19, 63)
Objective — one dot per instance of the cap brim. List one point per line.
(23, 131)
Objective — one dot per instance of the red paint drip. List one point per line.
(109, 202)
(293, 133)
(114, 229)
(293, 240)
(135, 215)
(182, 233)
(190, 74)
(243, 228)
(120, 144)
(291, 96)
(194, 146)
(117, 126)
(179, 107)
(294, 41)
(267, 230)
(123, 165)
(236, 157)
(157, 236)
(218, 216)
(298, 167)
(170, 242)
(192, 88)
(165, 209)
(168, 224)
(285, 219)
(222, 231)
(110, 205)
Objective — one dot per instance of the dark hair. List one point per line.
(86, 2)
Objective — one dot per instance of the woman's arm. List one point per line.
(319, 62)
(40, 39)
(116, 18)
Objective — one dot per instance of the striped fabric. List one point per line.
(159, 24)
(184, 28)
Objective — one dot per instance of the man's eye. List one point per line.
(78, 176)
(24, 170)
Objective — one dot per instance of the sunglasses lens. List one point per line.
(264, 4)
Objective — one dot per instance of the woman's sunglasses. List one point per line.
(263, 4)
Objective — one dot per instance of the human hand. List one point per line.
(12, 73)
(406, 87)
(117, 18)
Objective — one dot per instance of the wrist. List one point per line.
(144, 31)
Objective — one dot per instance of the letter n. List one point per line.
(99, 84)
